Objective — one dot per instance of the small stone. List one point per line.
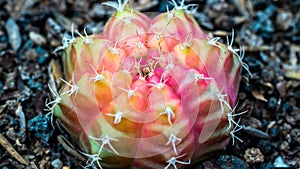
(284, 146)
(57, 163)
(283, 20)
(250, 38)
(30, 55)
(13, 32)
(272, 103)
(266, 146)
(37, 38)
(41, 127)
(42, 55)
(231, 162)
(295, 134)
(287, 107)
(290, 119)
(288, 137)
(280, 163)
(285, 127)
(10, 82)
(53, 27)
(281, 88)
(264, 57)
(273, 132)
(253, 155)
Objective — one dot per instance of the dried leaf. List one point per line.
(292, 75)
(55, 71)
(4, 142)
(268, 84)
(259, 96)
(2, 107)
(256, 132)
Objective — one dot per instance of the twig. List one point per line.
(6, 144)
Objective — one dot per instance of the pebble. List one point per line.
(272, 103)
(253, 155)
(10, 82)
(281, 88)
(231, 162)
(53, 27)
(42, 55)
(290, 119)
(250, 38)
(57, 164)
(268, 74)
(41, 127)
(13, 32)
(287, 107)
(285, 128)
(280, 163)
(264, 24)
(38, 39)
(284, 146)
(34, 84)
(266, 147)
(264, 57)
(27, 46)
(273, 132)
(283, 20)
(295, 134)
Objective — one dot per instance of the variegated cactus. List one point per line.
(148, 93)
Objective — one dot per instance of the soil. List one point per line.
(269, 30)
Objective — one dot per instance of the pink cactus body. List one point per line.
(148, 93)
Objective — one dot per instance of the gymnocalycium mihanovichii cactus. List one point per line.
(148, 93)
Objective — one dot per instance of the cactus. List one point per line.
(148, 93)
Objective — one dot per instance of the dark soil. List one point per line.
(30, 30)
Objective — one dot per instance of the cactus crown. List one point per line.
(148, 93)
